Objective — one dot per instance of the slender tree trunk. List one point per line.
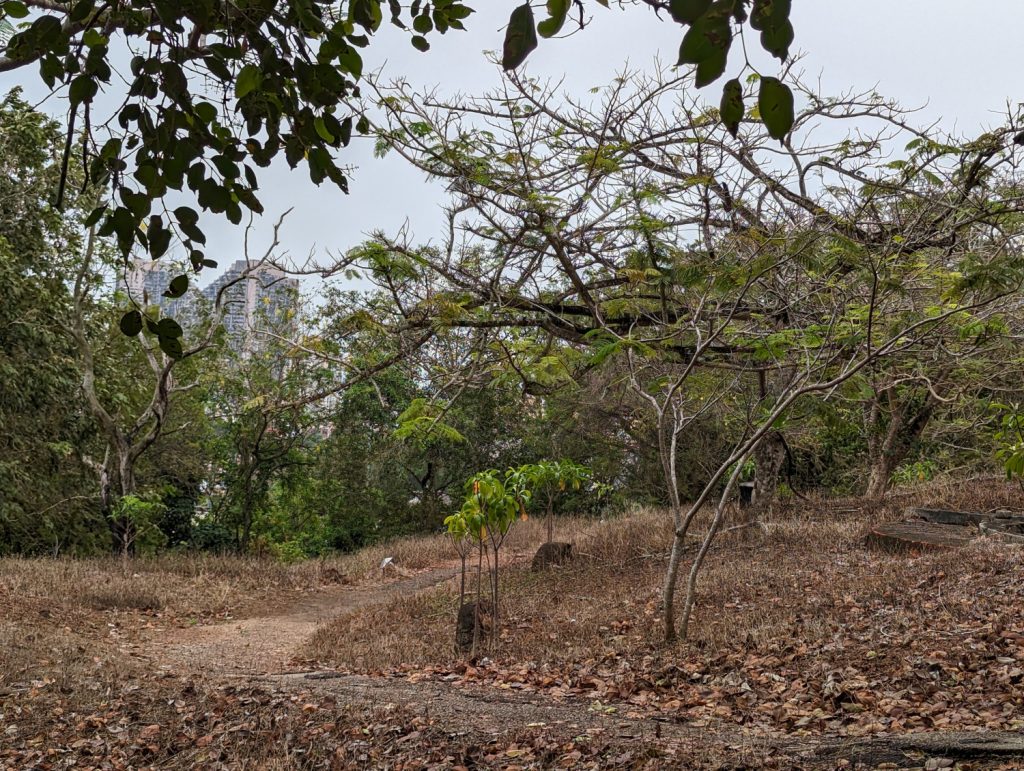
(668, 599)
(117, 481)
(479, 598)
(246, 536)
(883, 430)
(494, 599)
(698, 561)
(878, 479)
(906, 424)
(462, 547)
(769, 454)
(128, 487)
(462, 578)
(667, 449)
(107, 501)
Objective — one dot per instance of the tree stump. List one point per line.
(335, 576)
(552, 553)
(903, 537)
(474, 617)
(927, 528)
(746, 494)
(992, 748)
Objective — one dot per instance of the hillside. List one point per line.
(809, 651)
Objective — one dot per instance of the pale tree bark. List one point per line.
(818, 376)
(769, 458)
(674, 413)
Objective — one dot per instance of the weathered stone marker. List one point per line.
(552, 553)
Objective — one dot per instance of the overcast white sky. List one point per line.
(961, 65)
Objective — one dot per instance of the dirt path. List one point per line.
(490, 713)
(264, 647)
(267, 644)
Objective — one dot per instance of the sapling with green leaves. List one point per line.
(494, 501)
(140, 511)
(458, 532)
(550, 478)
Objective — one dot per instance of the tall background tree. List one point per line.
(635, 226)
(47, 503)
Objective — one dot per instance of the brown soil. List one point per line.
(267, 647)
(267, 643)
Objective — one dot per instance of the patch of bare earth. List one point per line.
(268, 642)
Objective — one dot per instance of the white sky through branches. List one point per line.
(961, 67)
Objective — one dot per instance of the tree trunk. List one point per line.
(128, 487)
(479, 597)
(117, 481)
(246, 517)
(669, 593)
(698, 560)
(889, 448)
(667, 449)
(878, 478)
(769, 456)
(494, 600)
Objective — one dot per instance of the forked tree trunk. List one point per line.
(698, 561)
(890, 438)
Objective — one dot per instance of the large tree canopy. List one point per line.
(215, 90)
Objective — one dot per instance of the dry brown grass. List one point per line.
(419, 629)
(410, 552)
(417, 552)
(199, 585)
(788, 583)
(177, 584)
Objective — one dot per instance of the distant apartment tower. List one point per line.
(264, 300)
(148, 280)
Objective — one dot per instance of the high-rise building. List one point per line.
(253, 300)
(148, 280)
